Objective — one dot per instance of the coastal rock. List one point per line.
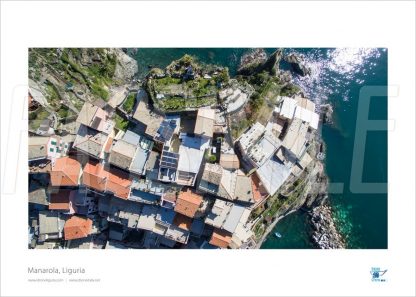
(285, 77)
(252, 60)
(256, 62)
(297, 62)
(272, 63)
(327, 111)
(126, 66)
(325, 235)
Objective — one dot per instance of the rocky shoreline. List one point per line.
(297, 62)
(325, 235)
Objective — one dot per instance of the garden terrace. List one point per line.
(186, 85)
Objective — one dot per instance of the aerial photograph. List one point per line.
(206, 148)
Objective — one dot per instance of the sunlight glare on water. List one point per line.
(334, 70)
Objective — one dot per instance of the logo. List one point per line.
(377, 274)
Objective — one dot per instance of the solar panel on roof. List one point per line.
(165, 131)
(170, 154)
(169, 159)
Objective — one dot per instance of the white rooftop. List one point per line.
(300, 108)
(307, 116)
(273, 174)
(287, 107)
(295, 137)
(218, 213)
(265, 148)
(191, 152)
(251, 136)
(237, 214)
(189, 159)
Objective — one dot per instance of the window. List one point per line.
(51, 149)
(53, 142)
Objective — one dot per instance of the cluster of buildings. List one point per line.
(275, 151)
(155, 185)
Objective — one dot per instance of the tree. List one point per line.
(212, 158)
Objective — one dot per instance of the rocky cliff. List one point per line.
(297, 62)
(257, 62)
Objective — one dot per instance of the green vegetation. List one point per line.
(65, 112)
(129, 102)
(262, 101)
(181, 91)
(259, 230)
(256, 102)
(99, 91)
(223, 77)
(74, 66)
(180, 103)
(186, 60)
(36, 117)
(289, 90)
(121, 123)
(174, 103)
(200, 87)
(212, 158)
(276, 205)
(77, 103)
(165, 81)
(86, 68)
(209, 158)
(52, 94)
(237, 128)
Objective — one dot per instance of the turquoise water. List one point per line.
(337, 77)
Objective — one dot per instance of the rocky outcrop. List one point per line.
(297, 62)
(126, 66)
(326, 113)
(272, 63)
(285, 77)
(325, 234)
(256, 62)
(252, 60)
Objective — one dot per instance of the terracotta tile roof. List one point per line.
(60, 200)
(119, 183)
(220, 238)
(258, 193)
(65, 172)
(77, 227)
(188, 203)
(94, 176)
(98, 178)
(182, 221)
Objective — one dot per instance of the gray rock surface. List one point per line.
(297, 62)
(325, 235)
